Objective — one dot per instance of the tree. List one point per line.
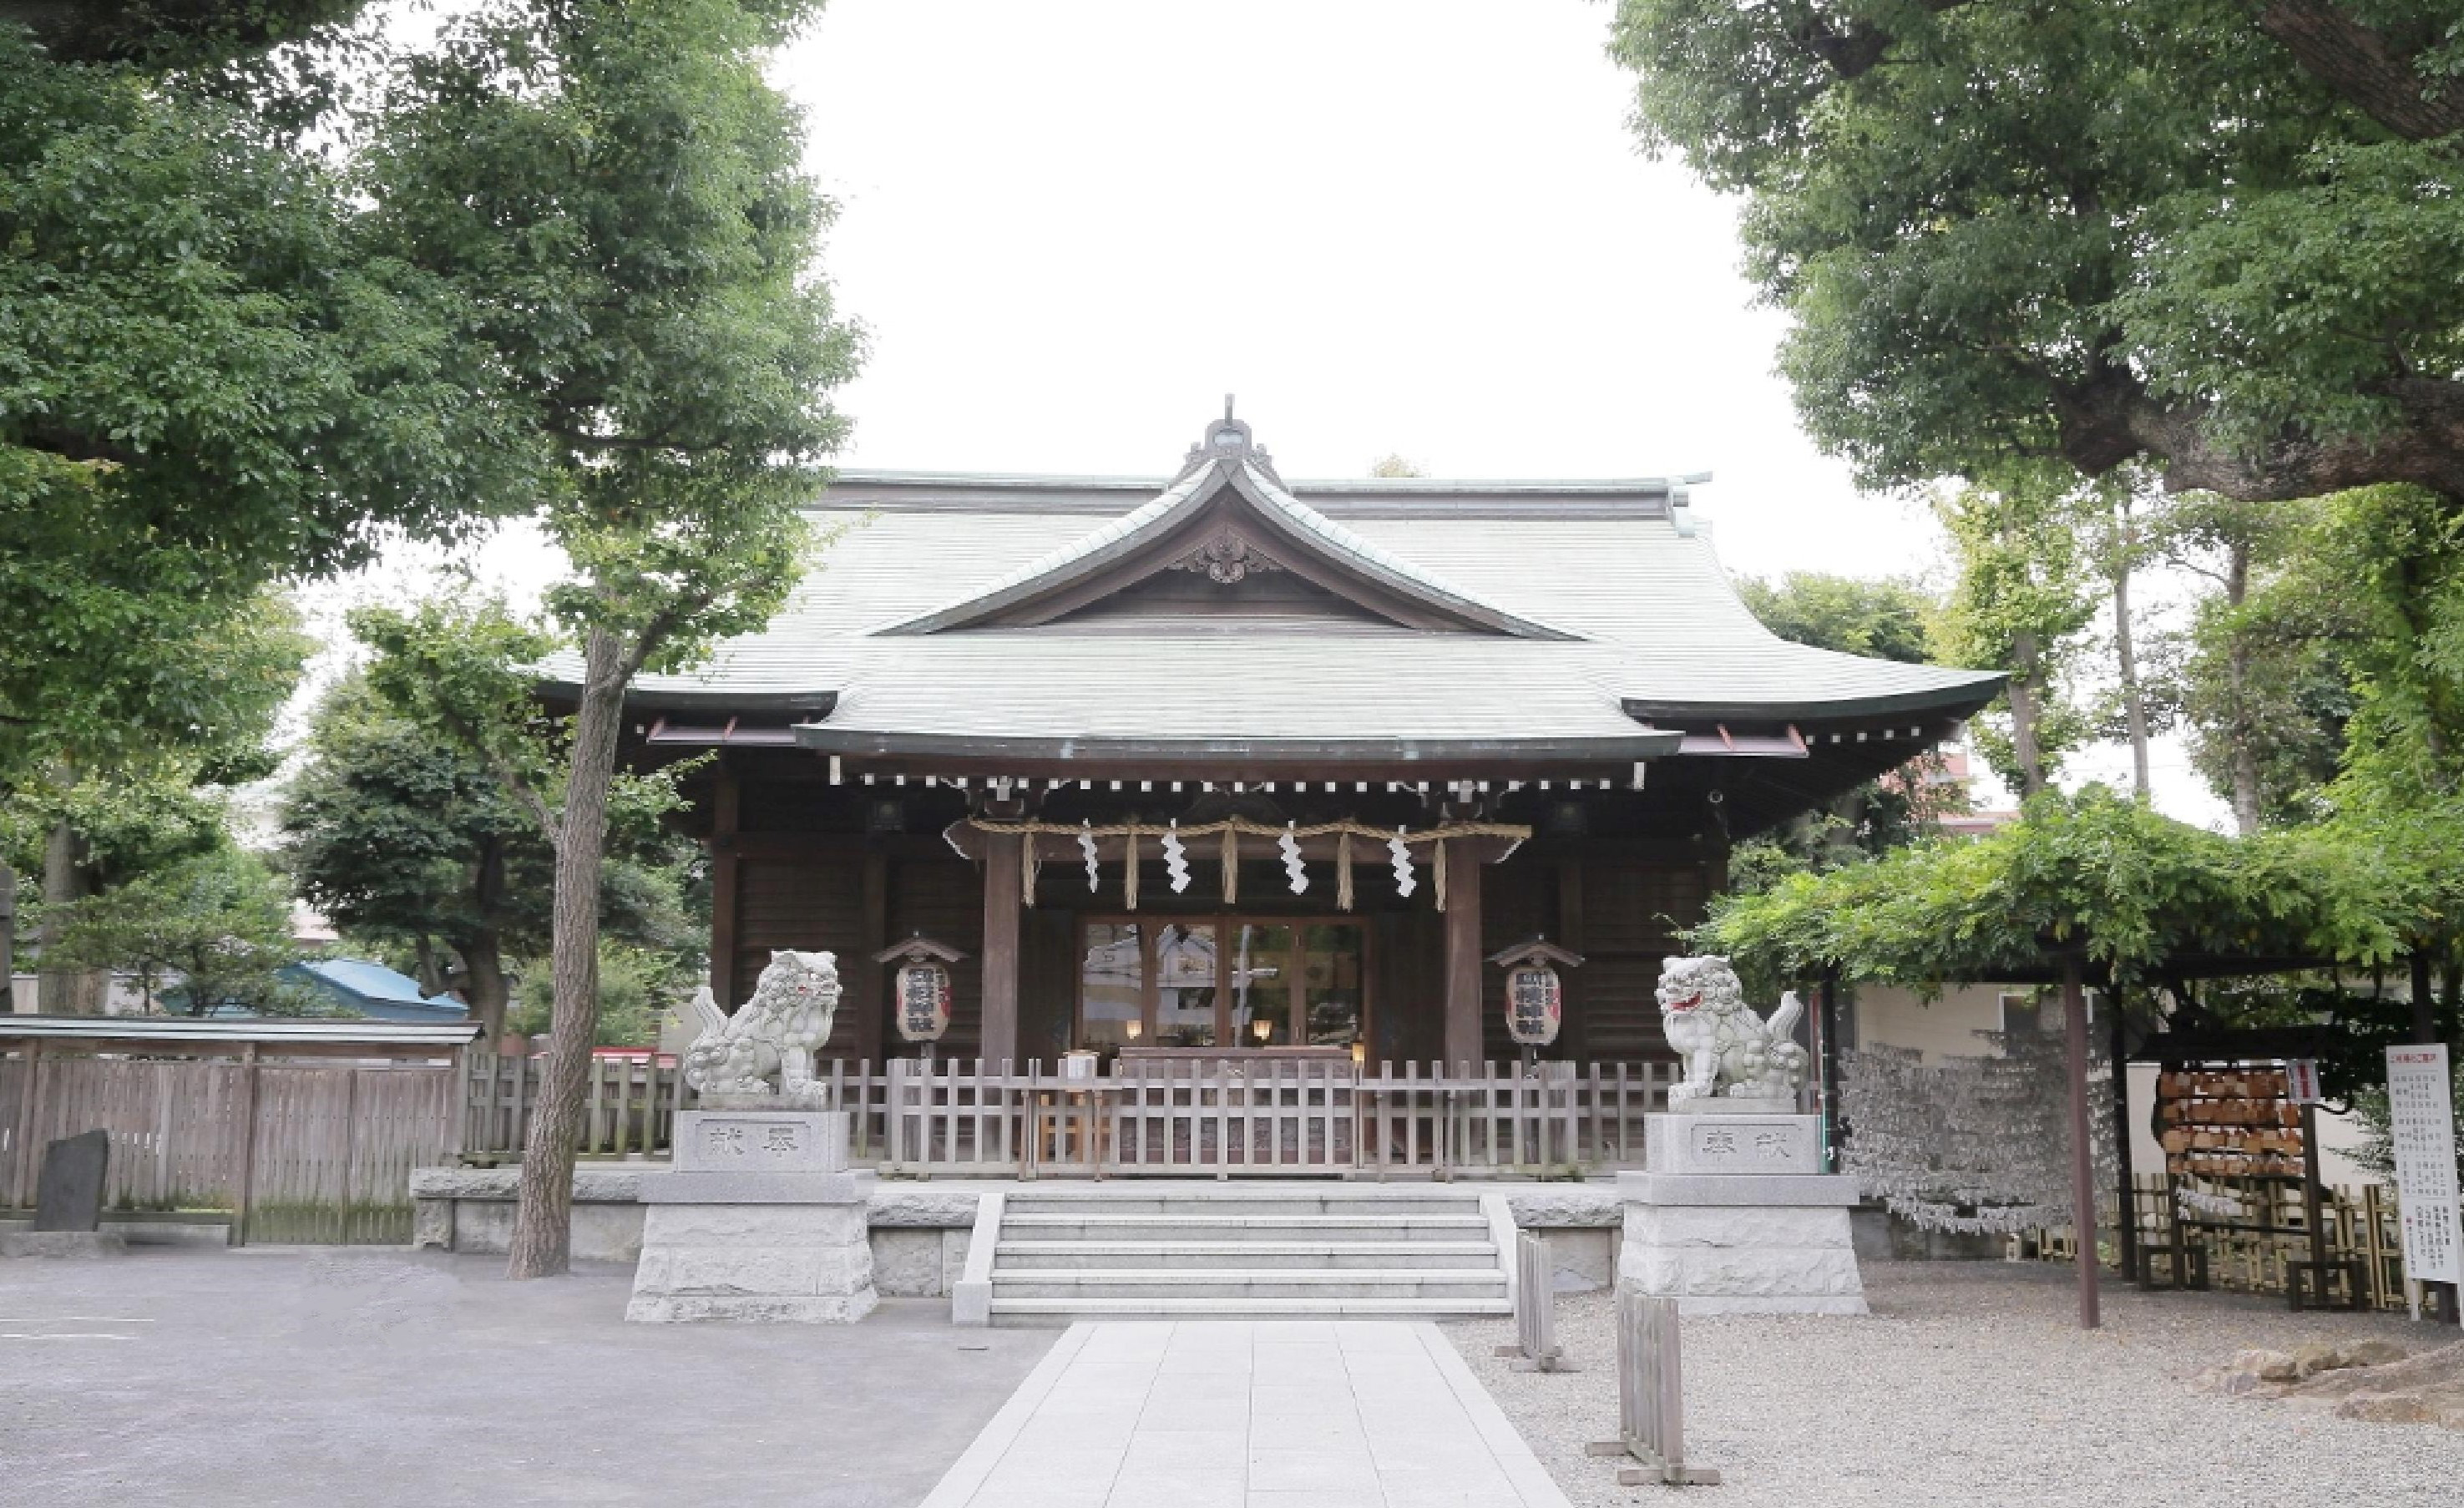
(104, 763)
(1888, 619)
(218, 921)
(614, 190)
(2265, 689)
(406, 841)
(2020, 604)
(2225, 236)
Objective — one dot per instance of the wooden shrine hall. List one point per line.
(1220, 764)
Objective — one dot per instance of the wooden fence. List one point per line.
(2257, 1250)
(1252, 1117)
(1651, 1395)
(306, 1152)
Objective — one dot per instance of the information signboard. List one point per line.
(2421, 1115)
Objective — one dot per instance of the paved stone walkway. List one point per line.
(1373, 1414)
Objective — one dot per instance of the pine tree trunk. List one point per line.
(2134, 696)
(541, 1245)
(2025, 747)
(2245, 753)
(68, 877)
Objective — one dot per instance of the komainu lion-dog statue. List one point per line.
(1728, 1051)
(767, 1047)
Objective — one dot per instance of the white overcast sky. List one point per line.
(1413, 226)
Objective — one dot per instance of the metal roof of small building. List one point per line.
(1639, 623)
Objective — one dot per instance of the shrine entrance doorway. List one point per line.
(1228, 982)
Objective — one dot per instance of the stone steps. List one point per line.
(1248, 1282)
(1038, 1311)
(1031, 1255)
(1064, 1253)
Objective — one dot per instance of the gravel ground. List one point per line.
(1973, 1385)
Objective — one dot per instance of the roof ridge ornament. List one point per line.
(1228, 439)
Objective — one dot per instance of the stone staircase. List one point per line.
(1246, 1251)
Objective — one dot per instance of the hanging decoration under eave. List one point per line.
(1398, 842)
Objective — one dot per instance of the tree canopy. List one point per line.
(2129, 891)
(2224, 236)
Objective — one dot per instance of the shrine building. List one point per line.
(1222, 764)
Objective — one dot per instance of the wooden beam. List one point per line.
(724, 882)
(867, 973)
(1570, 935)
(1462, 965)
(1000, 956)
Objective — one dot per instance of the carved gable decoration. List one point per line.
(1228, 520)
(1226, 558)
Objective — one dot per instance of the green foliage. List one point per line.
(1889, 617)
(2024, 599)
(635, 989)
(219, 921)
(2130, 889)
(615, 194)
(2097, 231)
(397, 832)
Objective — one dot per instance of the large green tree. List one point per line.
(2223, 235)
(2023, 598)
(408, 840)
(614, 191)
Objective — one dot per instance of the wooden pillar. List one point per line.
(872, 1007)
(1463, 957)
(723, 886)
(1574, 1040)
(2082, 1151)
(1001, 893)
(2126, 1227)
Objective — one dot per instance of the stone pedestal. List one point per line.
(1734, 1216)
(759, 1220)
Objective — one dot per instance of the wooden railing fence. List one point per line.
(1246, 1116)
(1651, 1395)
(306, 1152)
(2362, 1228)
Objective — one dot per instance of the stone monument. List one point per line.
(760, 1217)
(1734, 1212)
(68, 1202)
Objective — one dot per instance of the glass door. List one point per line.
(1223, 982)
(1186, 985)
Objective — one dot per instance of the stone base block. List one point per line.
(770, 1263)
(716, 1186)
(1727, 1143)
(1725, 1255)
(646, 1309)
(105, 1243)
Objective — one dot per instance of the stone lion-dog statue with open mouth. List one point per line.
(1728, 1051)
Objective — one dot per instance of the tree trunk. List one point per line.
(2245, 755)
(2134, 697)
(8, 939)
(483, 970)
(68, 877)
(431, 978)
(541, 1245)
(2025, 715)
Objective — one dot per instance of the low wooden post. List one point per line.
(1535, 1308)
(247, 1179)
(1651, 1396)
